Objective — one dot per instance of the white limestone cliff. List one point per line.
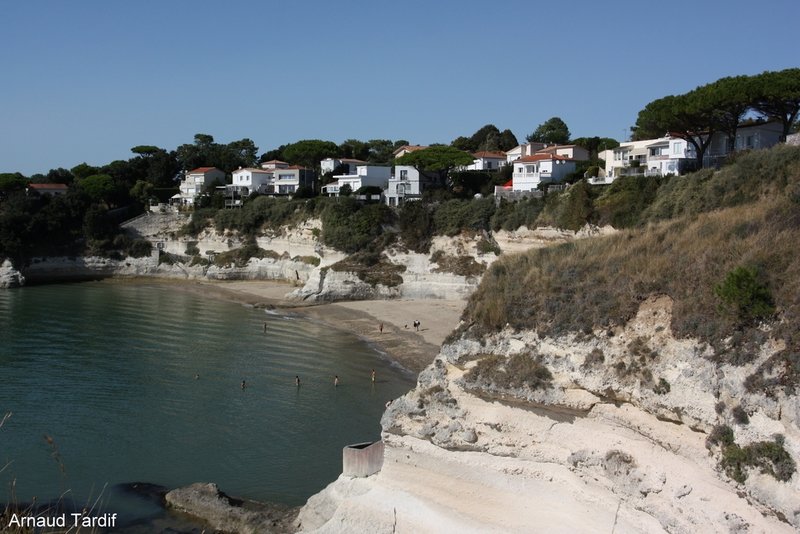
(594, 452)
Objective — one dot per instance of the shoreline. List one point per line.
(399, 341)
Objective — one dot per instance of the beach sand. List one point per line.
(412, 349)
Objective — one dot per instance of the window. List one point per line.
(285, 176)
(404, 175)
(530, 169)
(488, 164)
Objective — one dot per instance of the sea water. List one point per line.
(112, 383)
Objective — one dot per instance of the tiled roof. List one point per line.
(409, 148)
(275, 161)
(203, 170)
(487, 154)
(48, 186)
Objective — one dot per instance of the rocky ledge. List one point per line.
(582, 446)
(227, 514)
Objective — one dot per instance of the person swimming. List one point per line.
(297, 380)
(373, 376)
(336, 380)
(244, 384)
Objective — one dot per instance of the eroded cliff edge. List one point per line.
(594, 451)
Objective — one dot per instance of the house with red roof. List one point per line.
(48, 189)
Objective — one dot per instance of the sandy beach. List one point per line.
(413, 349)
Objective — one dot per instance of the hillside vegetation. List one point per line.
(722, 245)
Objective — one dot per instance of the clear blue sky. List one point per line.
(88, 80)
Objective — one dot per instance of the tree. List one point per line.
(436, 158)
(553, 130)
(507, 140)
(145, 150)
(355, 149)
(11, 181)
(310, 152)
(777, 96)
(99, 187)
(82, 170)
(689, 116)
(345, 190)
(380, 151)
(730, 98)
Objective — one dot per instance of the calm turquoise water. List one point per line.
(107, 370)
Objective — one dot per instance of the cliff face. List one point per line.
(593, 446)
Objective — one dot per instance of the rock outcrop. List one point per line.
(10, 276)
(600, 443)
(226, 514)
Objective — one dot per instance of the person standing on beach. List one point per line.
(297, 380)
(380, 327)
(265, 328)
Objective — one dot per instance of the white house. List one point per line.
(274, 164)
(407, 184)
(194, 182)
(530, 171)
(749, 136)
(330, 164)
(674, 155)
(487, 161)
(247, 180)
(365, 176)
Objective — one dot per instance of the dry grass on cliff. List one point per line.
(580, 286)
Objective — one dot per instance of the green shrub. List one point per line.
(372, 267)
(739, 415)
(415, 221)
(520, 370)
(348, 226)
(459, 265)
(593, 359)
(662, 388)
(455, 216)
(486, 246)
(139, 248)
(511, 215)
(745, 295)
(310, 260)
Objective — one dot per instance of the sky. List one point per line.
(87, 80)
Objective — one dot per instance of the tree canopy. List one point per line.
(721, 106)
(309, 152)
(436, 158)
(488, 138)
(553, 130)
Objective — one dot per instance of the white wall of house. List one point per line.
(251, 179)
(195, 181)
(365, 176)
(487, 163)
(403, 185)
(528, 175)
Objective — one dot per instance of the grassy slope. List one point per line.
(747, 214)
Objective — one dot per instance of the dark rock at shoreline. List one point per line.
(229, 514)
